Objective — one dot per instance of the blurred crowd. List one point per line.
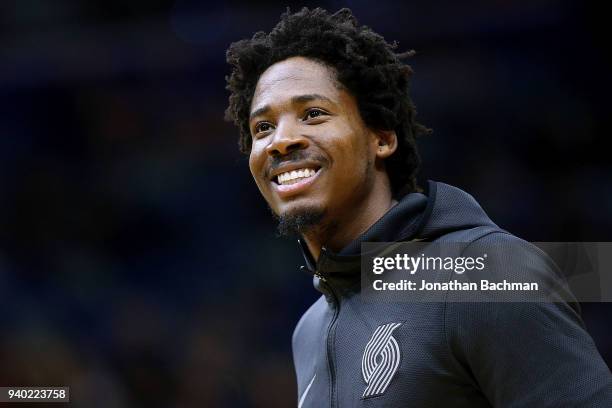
(138, 263)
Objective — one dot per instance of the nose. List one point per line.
(286, 139)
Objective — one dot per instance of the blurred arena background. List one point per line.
(138, 263)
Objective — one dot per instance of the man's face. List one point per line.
(311, 151)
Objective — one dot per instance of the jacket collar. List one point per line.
(342, 270)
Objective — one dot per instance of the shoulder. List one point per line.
(512, 259)
(551, 309)
(502, 314)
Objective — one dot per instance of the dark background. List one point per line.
(138, 263)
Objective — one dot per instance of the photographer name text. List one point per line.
(454, 285)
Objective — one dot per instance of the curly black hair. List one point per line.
(364, 63)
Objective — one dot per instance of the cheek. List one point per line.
(252, 166)
(364, 152)
(350, 158)
(252, 163)
(354, 148)
(255, 164)
(255, 156)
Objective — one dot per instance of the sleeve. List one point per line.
(529, 354)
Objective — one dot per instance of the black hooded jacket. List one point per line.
(353, 353)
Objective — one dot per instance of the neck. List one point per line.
(335, 234)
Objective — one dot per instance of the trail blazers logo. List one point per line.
(381, 359)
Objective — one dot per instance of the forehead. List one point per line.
(292, 77)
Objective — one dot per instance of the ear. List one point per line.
(386, 143)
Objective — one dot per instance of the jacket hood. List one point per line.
(425, 217)
(450, 209)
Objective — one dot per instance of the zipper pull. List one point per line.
(321, 255)
(320, 276)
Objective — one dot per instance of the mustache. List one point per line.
(295, 156)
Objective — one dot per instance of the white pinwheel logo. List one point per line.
(381, 359)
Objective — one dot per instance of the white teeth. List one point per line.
(292, 176)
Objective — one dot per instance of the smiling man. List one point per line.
(317, 164)
(325, 116)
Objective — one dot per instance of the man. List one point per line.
(324, 114)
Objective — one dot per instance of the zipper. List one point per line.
(321, 278)
(330, 345)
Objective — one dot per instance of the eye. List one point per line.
(314, 113)
(262, 127)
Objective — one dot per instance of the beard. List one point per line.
(299, 222)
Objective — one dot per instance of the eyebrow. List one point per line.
(294, 100)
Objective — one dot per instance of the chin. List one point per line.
(298, 205)
(300, 219)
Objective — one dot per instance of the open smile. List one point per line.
(295, 181)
